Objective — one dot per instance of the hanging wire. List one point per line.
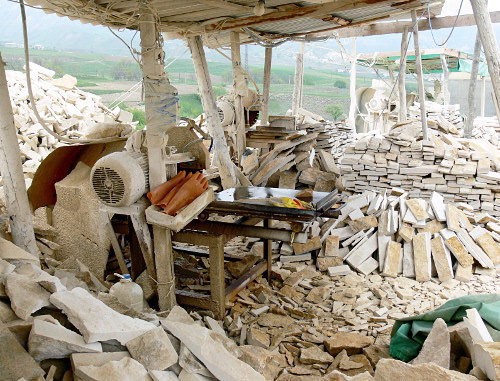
(452, 29)
(132, 51)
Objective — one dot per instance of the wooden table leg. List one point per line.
(268, 251)
(145, 242)
(217, 281)
(164, 268)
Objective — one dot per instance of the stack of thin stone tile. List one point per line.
(462, 170)
(395, 234)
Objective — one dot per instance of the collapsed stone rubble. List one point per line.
(304, 324)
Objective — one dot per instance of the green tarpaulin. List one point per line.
(409, 334)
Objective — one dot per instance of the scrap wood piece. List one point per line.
(264, 173)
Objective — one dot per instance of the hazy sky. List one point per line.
(451, 7)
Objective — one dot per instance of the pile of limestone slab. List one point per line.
(487, 128)
(63, 328)
(45, 318)
(318, 326)
(67, 110)
(462, 170)
(442, 114)
(292, 164)
(394, 234)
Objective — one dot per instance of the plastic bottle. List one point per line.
(128, 293)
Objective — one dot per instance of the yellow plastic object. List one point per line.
(287, 202)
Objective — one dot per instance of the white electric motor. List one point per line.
(226, 112)
(120, 178)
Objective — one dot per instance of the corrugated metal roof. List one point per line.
(206, 17)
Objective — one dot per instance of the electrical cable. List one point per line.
(132, 51)
(32, 98)
(452, 29)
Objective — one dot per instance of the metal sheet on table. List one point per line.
(231, 201)
(252, 193)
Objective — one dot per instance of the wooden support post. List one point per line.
(160, 116)
(351, 119)
(240, 89)
(145, 242)
(402, 76)
(16, 198)
(420, 76)
(116, 246)
(489, 42)
(217, 285)
(221, 151)
(471, 97)
(483, 96)
(445, 79)
(268, 252)
(264, 120)
(298, 80)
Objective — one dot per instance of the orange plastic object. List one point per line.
(164, 202)
(157, 194)
(187, 193)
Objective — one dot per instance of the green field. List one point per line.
(92, 69)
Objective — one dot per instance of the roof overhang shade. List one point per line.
(213, 19)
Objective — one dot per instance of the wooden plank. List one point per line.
(268, 251)
(203, 253)
(221, 156)
(471, 96)
(316, 10)
(227, 5)
(116, 247)
(164, 267)
(298, 80)
(194, 299)
(17, 204)
(375, 29)
(240, 283)
(351, 120)
(145, 242)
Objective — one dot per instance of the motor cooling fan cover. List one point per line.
(120, 178)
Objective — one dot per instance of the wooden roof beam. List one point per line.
(398, 26)
(223, 4)
(313, 11)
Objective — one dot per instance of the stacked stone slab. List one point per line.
(437, 112)
(397, 235)
(461, 170)
(333, 137)
(487, 128)
(65, 109)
